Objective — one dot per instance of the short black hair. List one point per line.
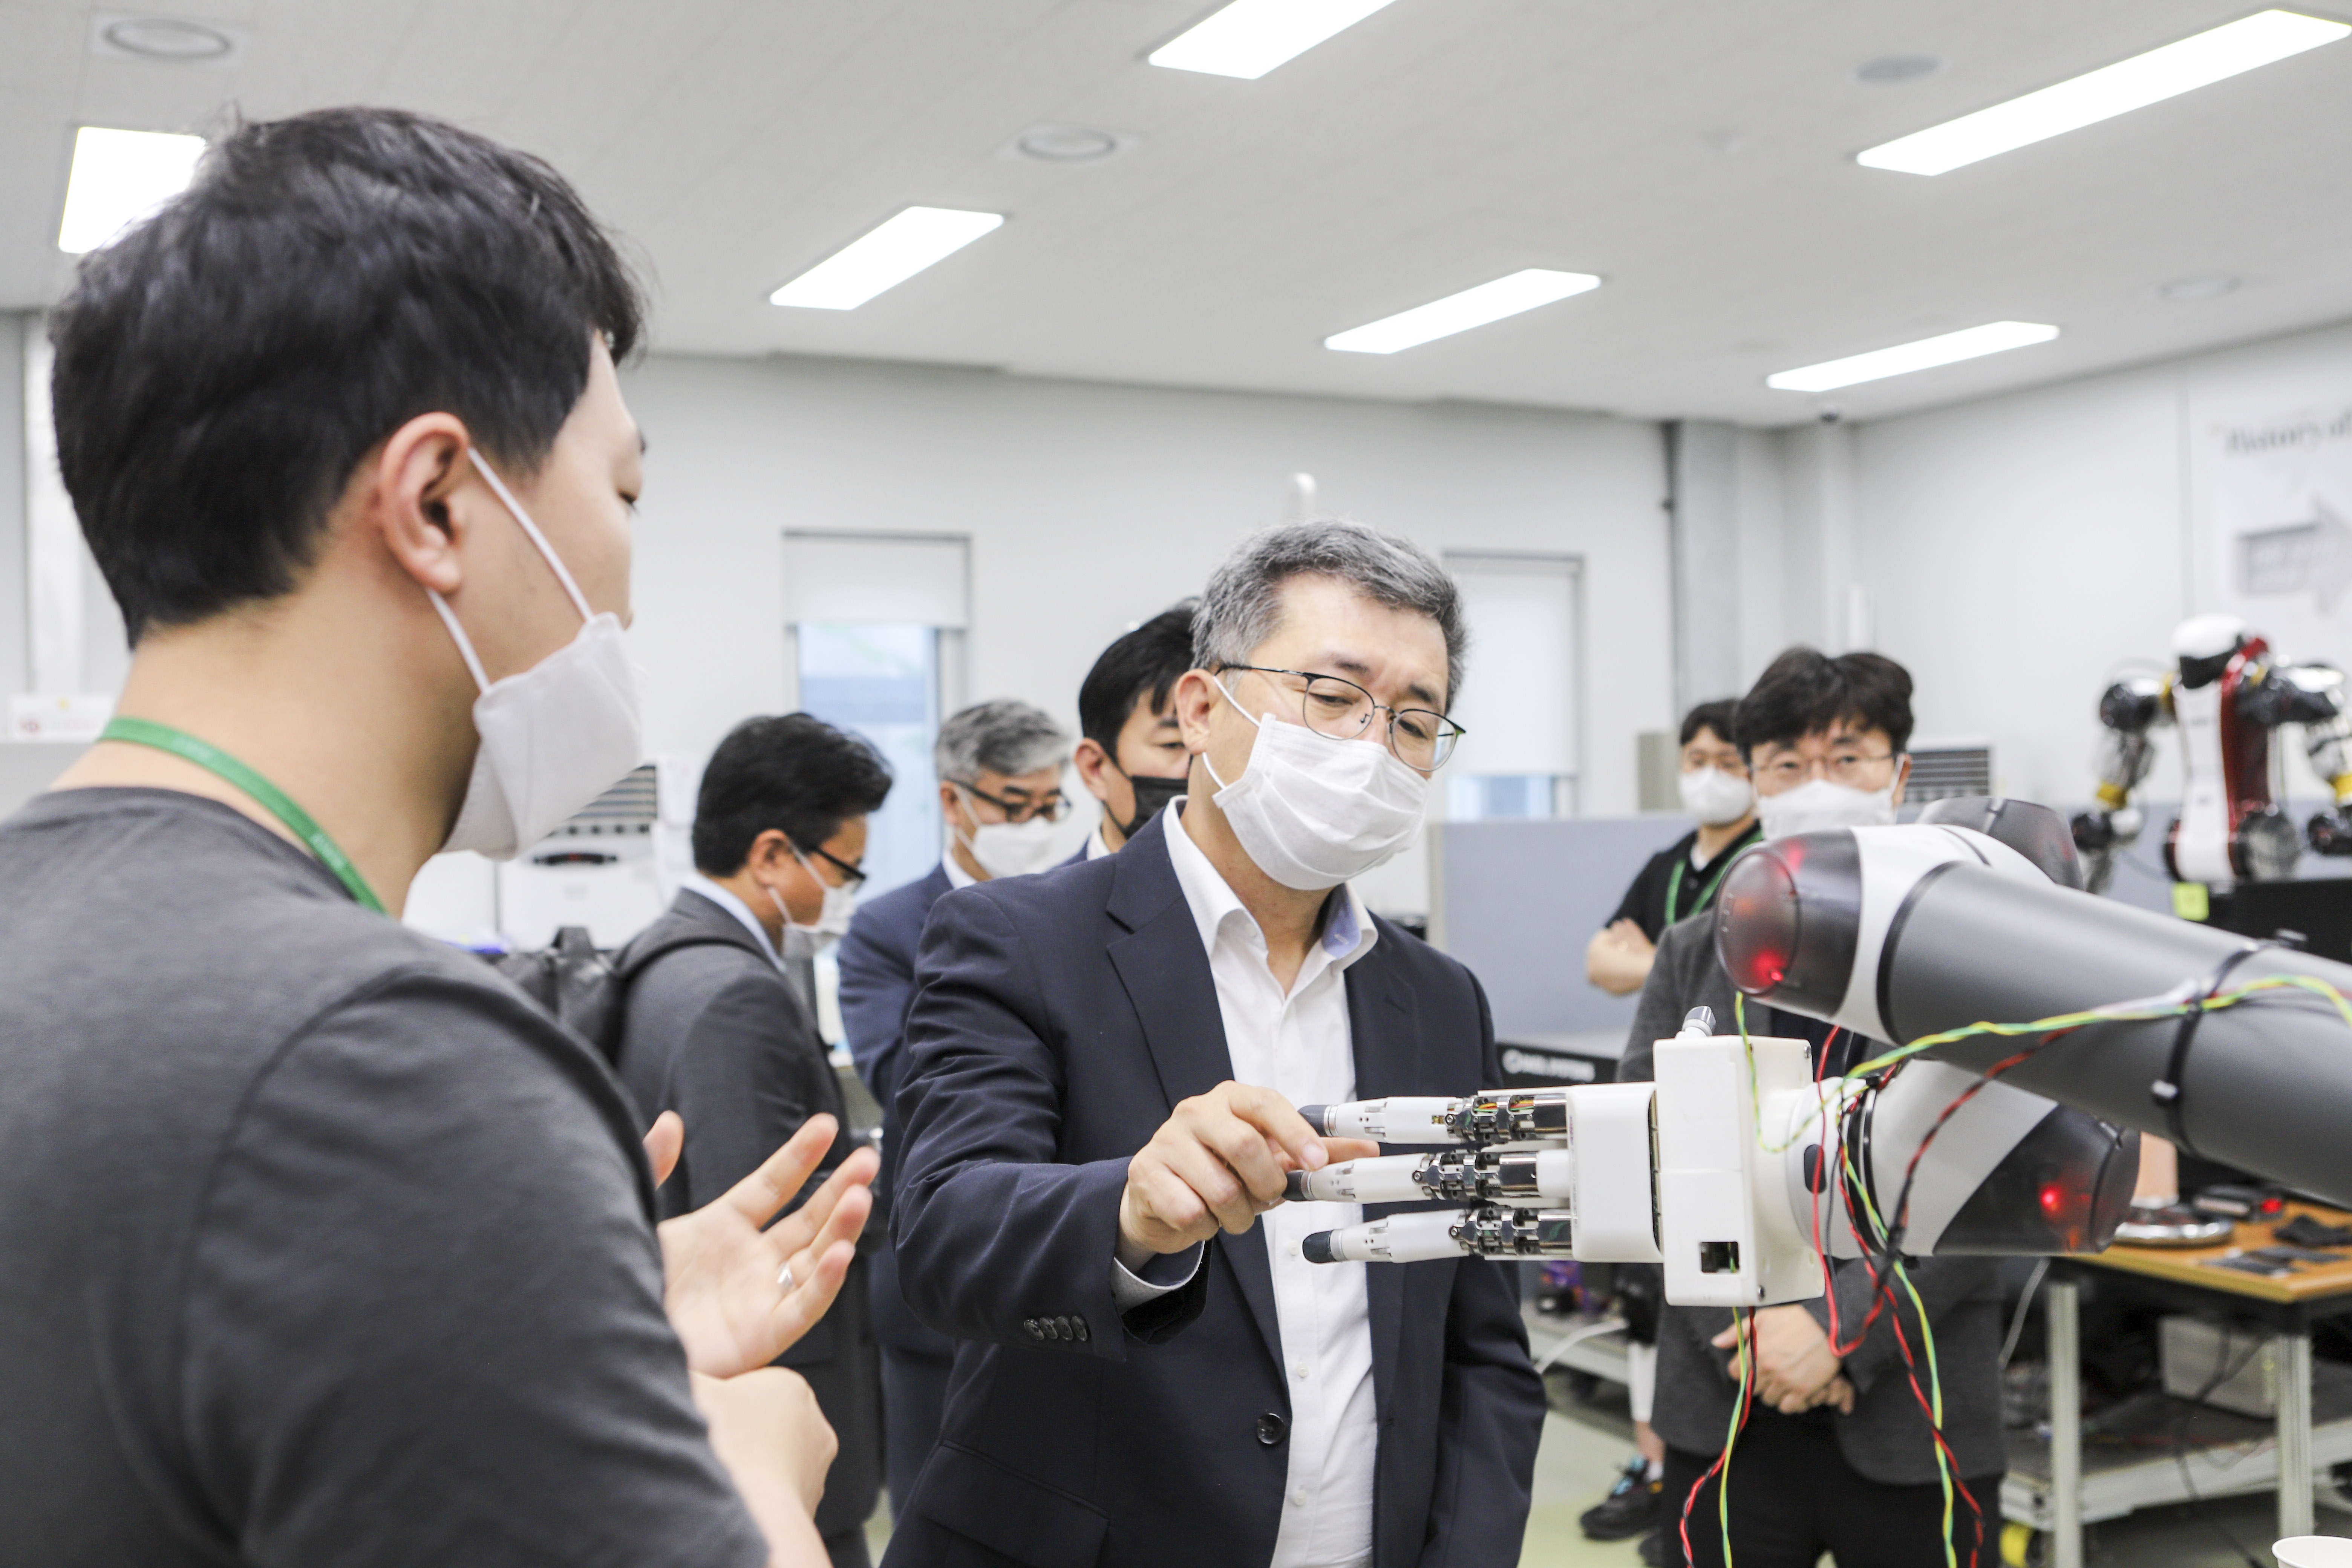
(1805, 690)
(222, 368)
(796, 774)
(1148, 661)
(1721, 716)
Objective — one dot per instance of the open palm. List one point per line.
(723, 1265)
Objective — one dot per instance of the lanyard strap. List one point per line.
(213, 760)
(1674, 878)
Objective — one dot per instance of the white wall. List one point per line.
(1091, 506)
(2022, 549)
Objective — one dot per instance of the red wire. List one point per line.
(1746, 1326)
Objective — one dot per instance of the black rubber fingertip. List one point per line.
(1294, 1186)
(1316, 1116)
(1317, 1249)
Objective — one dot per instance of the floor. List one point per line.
(1583, 1445)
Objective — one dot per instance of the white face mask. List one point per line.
(1818, 805)
(1313, 812)
(1009, 848)
(554, 737)
(832, 922)
(1717, 798)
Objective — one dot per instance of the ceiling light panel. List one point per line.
(885, 257)
(1903, 358)
(1250, 38)
(1460, 313)
(2193, 62)
(119, 177)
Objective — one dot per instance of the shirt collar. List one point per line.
(1347, 929)
(1097, 847)
(739, 908)
(956, 876)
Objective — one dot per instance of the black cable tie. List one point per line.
(2167, 1091)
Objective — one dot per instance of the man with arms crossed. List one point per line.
(323, 1244)
(1102, 1067)
(1837, 1455)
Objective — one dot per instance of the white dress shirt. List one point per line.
(1300, 1044)
(739, 908)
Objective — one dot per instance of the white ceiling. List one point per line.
(1696, 153)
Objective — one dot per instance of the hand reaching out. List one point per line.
(724, 1281)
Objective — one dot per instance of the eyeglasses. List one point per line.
(1053, 805)
(1343, 711)
(851, 876)
(1846, 767)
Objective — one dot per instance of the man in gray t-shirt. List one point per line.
(323, 1244)
(319, 1244)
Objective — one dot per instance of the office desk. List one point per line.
(2056, 1495)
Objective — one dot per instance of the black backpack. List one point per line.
(585, 988)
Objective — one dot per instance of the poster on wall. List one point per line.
(2271, 510)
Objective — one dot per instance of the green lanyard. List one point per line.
(1674, 878)
(213, 760)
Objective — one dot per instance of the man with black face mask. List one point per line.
(1102, 1070)
(1132, 756)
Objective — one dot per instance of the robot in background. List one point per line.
(2226, 694)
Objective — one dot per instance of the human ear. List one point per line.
(1193, 701)
(409, 489)
(1091, 760)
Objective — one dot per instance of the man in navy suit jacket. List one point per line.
(999, 764)
(1101, 1067)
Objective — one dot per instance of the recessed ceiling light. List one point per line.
(2193, 62)
(1903, 358)
(885, 257)
(2212, 286)
(1250, 38)
(1460, 313)
(166, 39)
(119, 177)
(1068, 143)
(1888, 69)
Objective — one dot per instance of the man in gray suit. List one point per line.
(715, 1031)
(1837, 1454)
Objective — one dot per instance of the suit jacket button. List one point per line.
(1036, 1330)
(1078, 1325)
(1062, 1328)
(1272, 1429)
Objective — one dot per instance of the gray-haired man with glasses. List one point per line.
(1000, 780)
(1101, 1072)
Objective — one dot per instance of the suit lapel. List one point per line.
(1165, 971)
(1380, 1026)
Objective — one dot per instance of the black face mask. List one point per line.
(1151, 798)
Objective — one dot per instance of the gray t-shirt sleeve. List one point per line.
(422, 1319)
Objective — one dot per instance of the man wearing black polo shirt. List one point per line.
(1680, 881)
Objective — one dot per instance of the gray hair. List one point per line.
(1004, 737)
(1242, 605)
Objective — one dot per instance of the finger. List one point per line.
(664, 1141)
(798, 1312)
(1247, 1152)
(1220, 1191)
(1842, 1396)
(1725, 1340)
(759, 1195)
(853, 1175)
(1279, 1120)
(1338, 1148)
(845, 1224)
(1169, 1206)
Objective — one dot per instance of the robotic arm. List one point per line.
(1737, 1168)
(2313, 695)
(2129, 710)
